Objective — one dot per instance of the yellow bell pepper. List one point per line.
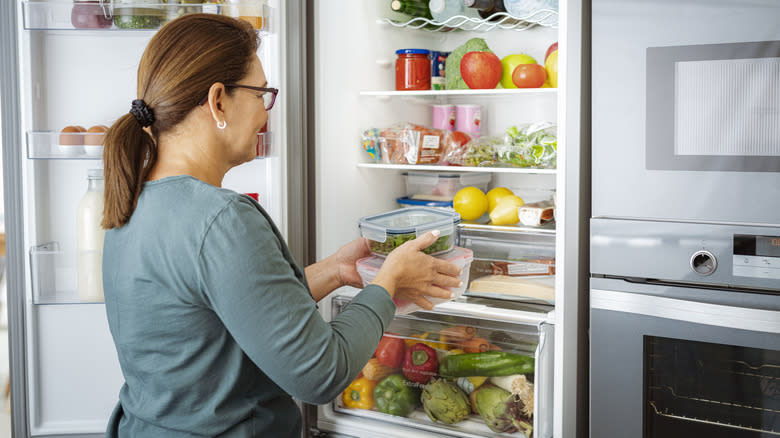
(359, 394)
(441, 344)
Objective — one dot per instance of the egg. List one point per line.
(68, 135)
(95, 134)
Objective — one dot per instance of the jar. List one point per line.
(90, 14)
(412, 70)
(138, 14)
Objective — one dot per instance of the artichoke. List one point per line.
(444, 401)
(502, 412)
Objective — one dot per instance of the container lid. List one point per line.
(416, 220)
(412, 52)
(465, 178)
(424, 203)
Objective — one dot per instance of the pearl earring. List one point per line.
(222, 124)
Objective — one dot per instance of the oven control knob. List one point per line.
(703, 263)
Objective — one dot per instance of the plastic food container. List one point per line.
(387, 231)
(436, 186)
(369, 266)
(407, 202)
(412, 70)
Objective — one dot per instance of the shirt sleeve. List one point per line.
(251, 282)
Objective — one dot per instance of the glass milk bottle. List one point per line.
(89, 235)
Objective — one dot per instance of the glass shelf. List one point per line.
(486, 92)
(458, 168)
(54, 275)
(497, 21)
(102, 15)
(50, 145)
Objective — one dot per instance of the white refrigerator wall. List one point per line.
(89, 78)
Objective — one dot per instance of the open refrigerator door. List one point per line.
(76, 63)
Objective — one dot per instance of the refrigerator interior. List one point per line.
(354, 90)
(88, 77)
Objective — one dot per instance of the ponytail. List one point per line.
(129, 153)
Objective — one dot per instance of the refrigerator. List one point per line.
(333, 62)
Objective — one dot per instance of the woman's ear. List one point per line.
(216, 102)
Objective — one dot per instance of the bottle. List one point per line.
(486, 8)
(443, 10)
(412, 8)
(89, 239)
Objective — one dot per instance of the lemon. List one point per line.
(505, 212)
(470, 202)
(495, 195)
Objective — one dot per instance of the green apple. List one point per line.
(509, 63)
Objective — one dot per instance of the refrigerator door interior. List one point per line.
(687, 127)
(87, 77)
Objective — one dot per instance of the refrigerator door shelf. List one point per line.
(467, 325)
(54, 275)
(102, 15)
(51, 145)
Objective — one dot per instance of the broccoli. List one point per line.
(452, 65)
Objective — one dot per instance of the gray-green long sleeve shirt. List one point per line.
(213, 321)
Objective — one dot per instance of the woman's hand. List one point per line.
(412, 275)
(337, 270)
(346, 262)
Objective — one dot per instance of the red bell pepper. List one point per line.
(420, 363)
(390, 351)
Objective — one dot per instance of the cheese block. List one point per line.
(537, 287)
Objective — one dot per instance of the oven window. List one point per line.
(694, 389)
(713, 107)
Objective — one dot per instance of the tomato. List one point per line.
(390, 351)
(529, 76)
(460, 138)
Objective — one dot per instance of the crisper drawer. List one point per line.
(469, 370)
(515, 265)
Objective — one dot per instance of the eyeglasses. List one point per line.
(269, 94)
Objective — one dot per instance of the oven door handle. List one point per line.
(743, 318)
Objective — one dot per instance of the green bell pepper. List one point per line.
(395, 395)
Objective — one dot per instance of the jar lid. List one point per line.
(412, 52)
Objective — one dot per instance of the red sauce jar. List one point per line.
(412, 70)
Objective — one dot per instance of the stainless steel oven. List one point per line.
(684, 330)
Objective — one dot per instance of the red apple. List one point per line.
(529, 76)
(551, 49)
(480, 70)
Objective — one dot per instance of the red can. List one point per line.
(413, 69)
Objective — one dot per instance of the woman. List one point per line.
(215, 325)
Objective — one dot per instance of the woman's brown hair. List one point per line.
(178, 67)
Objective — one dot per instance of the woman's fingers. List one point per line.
(438, 292)
(447, 281)
(422, 302)
(426, 240)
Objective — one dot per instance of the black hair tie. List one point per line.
(143, 114)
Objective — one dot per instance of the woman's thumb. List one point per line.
(427, 239)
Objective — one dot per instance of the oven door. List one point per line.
(669, 367)
(686, 110)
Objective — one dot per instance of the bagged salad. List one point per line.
(529, 145)
(409, 143)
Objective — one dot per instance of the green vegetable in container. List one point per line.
(502, 412)
(488, 363)
(441, 244)
(395, 395)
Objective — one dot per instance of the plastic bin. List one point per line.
(438, 186)
(407, 202)
(387, 231)
(368, 267)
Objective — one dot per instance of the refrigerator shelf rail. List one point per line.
(517, 170)
(51, 145)
(113, 15)
(452, 93)
(53, 274)
(497, 21)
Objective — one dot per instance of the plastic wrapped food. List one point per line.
(534, 145)
(482, 152)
